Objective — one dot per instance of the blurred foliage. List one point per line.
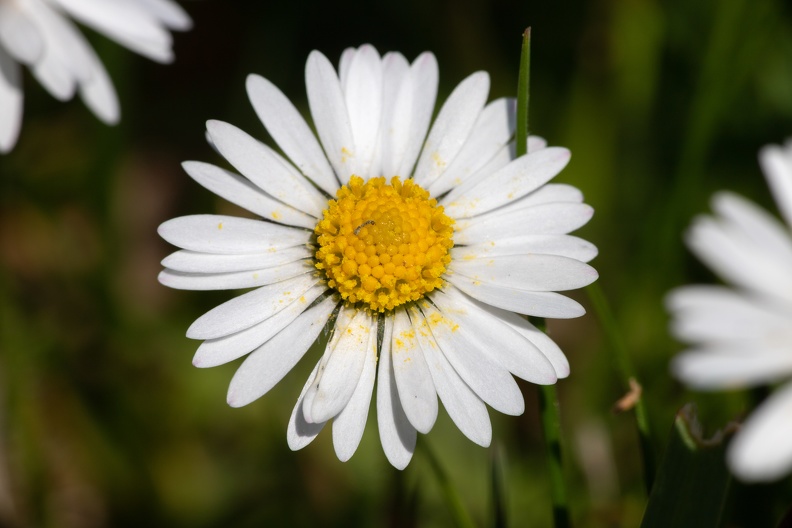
(103, 420)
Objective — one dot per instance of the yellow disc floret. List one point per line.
(383, 244)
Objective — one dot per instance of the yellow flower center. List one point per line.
(383, 244)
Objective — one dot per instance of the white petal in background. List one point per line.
(761, 450)
(127, 23)
(731, 366)
(755, 223)
(720, 315)
(18, 34)
(11, 100)
(776, 162)
(738, 258)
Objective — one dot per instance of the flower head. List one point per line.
(40, 35)
(741, 335)
(418, 255)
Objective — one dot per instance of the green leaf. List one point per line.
(692, 481)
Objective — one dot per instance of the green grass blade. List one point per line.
(692, 481)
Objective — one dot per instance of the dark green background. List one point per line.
(103, 419)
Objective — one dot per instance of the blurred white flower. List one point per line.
(421, 292)
(39, 34)
(742, 335)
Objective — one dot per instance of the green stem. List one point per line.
(627, 373)
(551, 425)
(548, 400)
(523, 95)
(454, 502)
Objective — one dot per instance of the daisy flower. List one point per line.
(741, 335)
(40, 35)
(417, 255)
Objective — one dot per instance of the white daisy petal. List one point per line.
(265, 168)
(413, 379)
(230, 235)
(761, 451)
(717, 314)
(483, 326)
(344, 63)
(214, 352)
(339, 375)
(756, 224)
(330, 115)
(63, 62)
(99, 95)
(125, 22)
(241, 192)
(19, 36)
(269, 363)
(546, 219)
(561, 245)
(452, 127)
(539, 304)
(729, 367)
(193, 262)
(422, 83)
(397, 435)
(348, 426)
(531, 272)
(363, 95)
(492, 131)
(250, 308)
(776, 164)
(233, 281)
(10, 102)
(548, 193)
(738, 259)
(512, 182)
(290, 131)
(487, 378)
(536, 143)
(397, 103)
(169, 13)
(539, 339)
(463, 406)
(300, 433)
